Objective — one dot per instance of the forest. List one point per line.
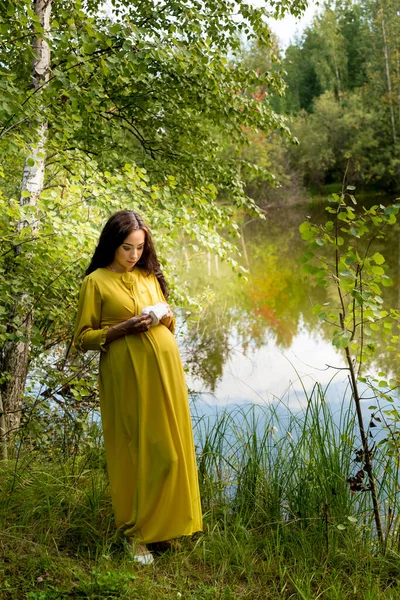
(270, 179)
(342, 97)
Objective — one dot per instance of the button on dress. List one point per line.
(144, 407)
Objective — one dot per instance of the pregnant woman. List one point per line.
(143, 398)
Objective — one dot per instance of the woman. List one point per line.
(143, 398)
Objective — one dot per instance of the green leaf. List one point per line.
(304, 227)
(341, 339)
(310, 269)
(377, 270)
(329, 225)
(352, 519)
(89, 48)
(307, 256)
(386, 281)
(378, 258)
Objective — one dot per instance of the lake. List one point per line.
(257, 340)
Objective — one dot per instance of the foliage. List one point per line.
(331, 55)
(339, 137)
(357, 313)
(354, 270)
(342, 78)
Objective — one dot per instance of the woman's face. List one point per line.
(130, 251)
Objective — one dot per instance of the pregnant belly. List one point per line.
(162, 339)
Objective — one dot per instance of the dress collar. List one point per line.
(127, 277)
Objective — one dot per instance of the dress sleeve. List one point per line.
(172, 321)
(88, 334)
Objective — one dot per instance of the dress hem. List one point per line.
(173, 537)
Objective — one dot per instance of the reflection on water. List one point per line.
(258, 340)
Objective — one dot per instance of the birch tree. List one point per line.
(388, 74)
(14, 359)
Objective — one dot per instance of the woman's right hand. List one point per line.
(138, 324)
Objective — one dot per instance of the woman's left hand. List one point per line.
(167, 319)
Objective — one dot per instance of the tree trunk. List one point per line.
(398, 275)
(388, 78)
(3, 442)
(244, 247)
(398, 81)
(337, 75)
(14, 362)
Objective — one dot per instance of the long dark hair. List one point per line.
(115, 231)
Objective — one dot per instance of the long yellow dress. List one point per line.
(144, 409)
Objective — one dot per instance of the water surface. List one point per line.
(258, 340)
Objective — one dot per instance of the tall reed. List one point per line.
(290, 473)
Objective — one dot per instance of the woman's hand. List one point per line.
(168, 317)
(138, 324)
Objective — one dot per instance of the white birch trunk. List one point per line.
(388, 78)
(339, 88)
(216, 265)
(33, 176)
(186, 255)
(16, 356)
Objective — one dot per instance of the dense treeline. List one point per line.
(343, 97)
(343, 80)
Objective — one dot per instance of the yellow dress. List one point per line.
(144, 409)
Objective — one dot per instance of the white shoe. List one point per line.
(144, 559)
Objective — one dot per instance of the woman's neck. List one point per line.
(119, 268)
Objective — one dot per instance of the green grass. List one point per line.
(279, 519)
